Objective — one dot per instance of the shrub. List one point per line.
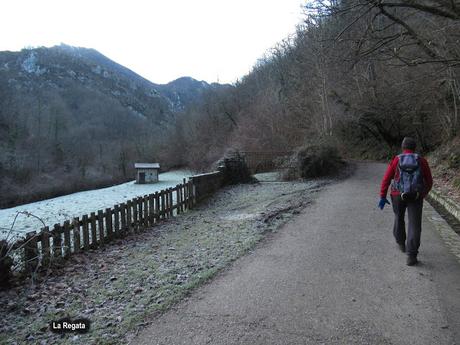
(235, 169)
(5, 265)
(313, 161)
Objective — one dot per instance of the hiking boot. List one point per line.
(402, 247)
(411, 260)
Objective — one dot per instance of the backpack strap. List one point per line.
(416, 155)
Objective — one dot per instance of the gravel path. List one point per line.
(332, 276)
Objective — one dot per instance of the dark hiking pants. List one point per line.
(414, 210)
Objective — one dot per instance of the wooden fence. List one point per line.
(94, 230)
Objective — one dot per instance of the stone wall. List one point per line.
(448, 204)
(448, 234)
(207, 184)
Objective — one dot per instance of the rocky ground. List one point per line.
(120, 287)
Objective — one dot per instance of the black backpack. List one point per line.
(410, 182)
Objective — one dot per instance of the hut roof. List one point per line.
(147, 165)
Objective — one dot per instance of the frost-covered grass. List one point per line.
(119, 288)
(59, 209)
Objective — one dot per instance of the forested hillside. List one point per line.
(359, 74)
(71, 119)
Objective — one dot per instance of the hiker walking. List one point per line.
(412, 181)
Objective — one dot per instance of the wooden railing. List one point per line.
(96, 229)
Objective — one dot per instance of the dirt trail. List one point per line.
(333, 275)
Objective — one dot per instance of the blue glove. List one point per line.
(382, 203)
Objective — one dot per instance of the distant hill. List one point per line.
(65, 67)
(185, 91)
(70, 115)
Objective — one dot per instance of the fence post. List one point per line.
(167, 203)
(171, 209)
(100, 224)
(108, 222)
(135, 214)
(140, 204)
(85, 229)
(186, 196)
(151, 209)
(31, 251)
(93, 230)
(140, 213)
(46, 252)
(178, 210)
(128, 215)
(181, 198)
(57, 241)
(156, 211)
(183, 195)
(76, 235)
(162, 210)
(123, 218)
(116, 217)
(187, 187)
(146, 210)
(66, 239)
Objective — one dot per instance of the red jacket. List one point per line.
(392, 171)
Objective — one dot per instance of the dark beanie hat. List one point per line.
(408, 143)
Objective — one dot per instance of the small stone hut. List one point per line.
(147, 172)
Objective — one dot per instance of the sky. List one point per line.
(162, 40)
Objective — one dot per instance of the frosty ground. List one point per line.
(120, 286)
(57, 210)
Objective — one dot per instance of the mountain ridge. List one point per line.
(42, 62)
